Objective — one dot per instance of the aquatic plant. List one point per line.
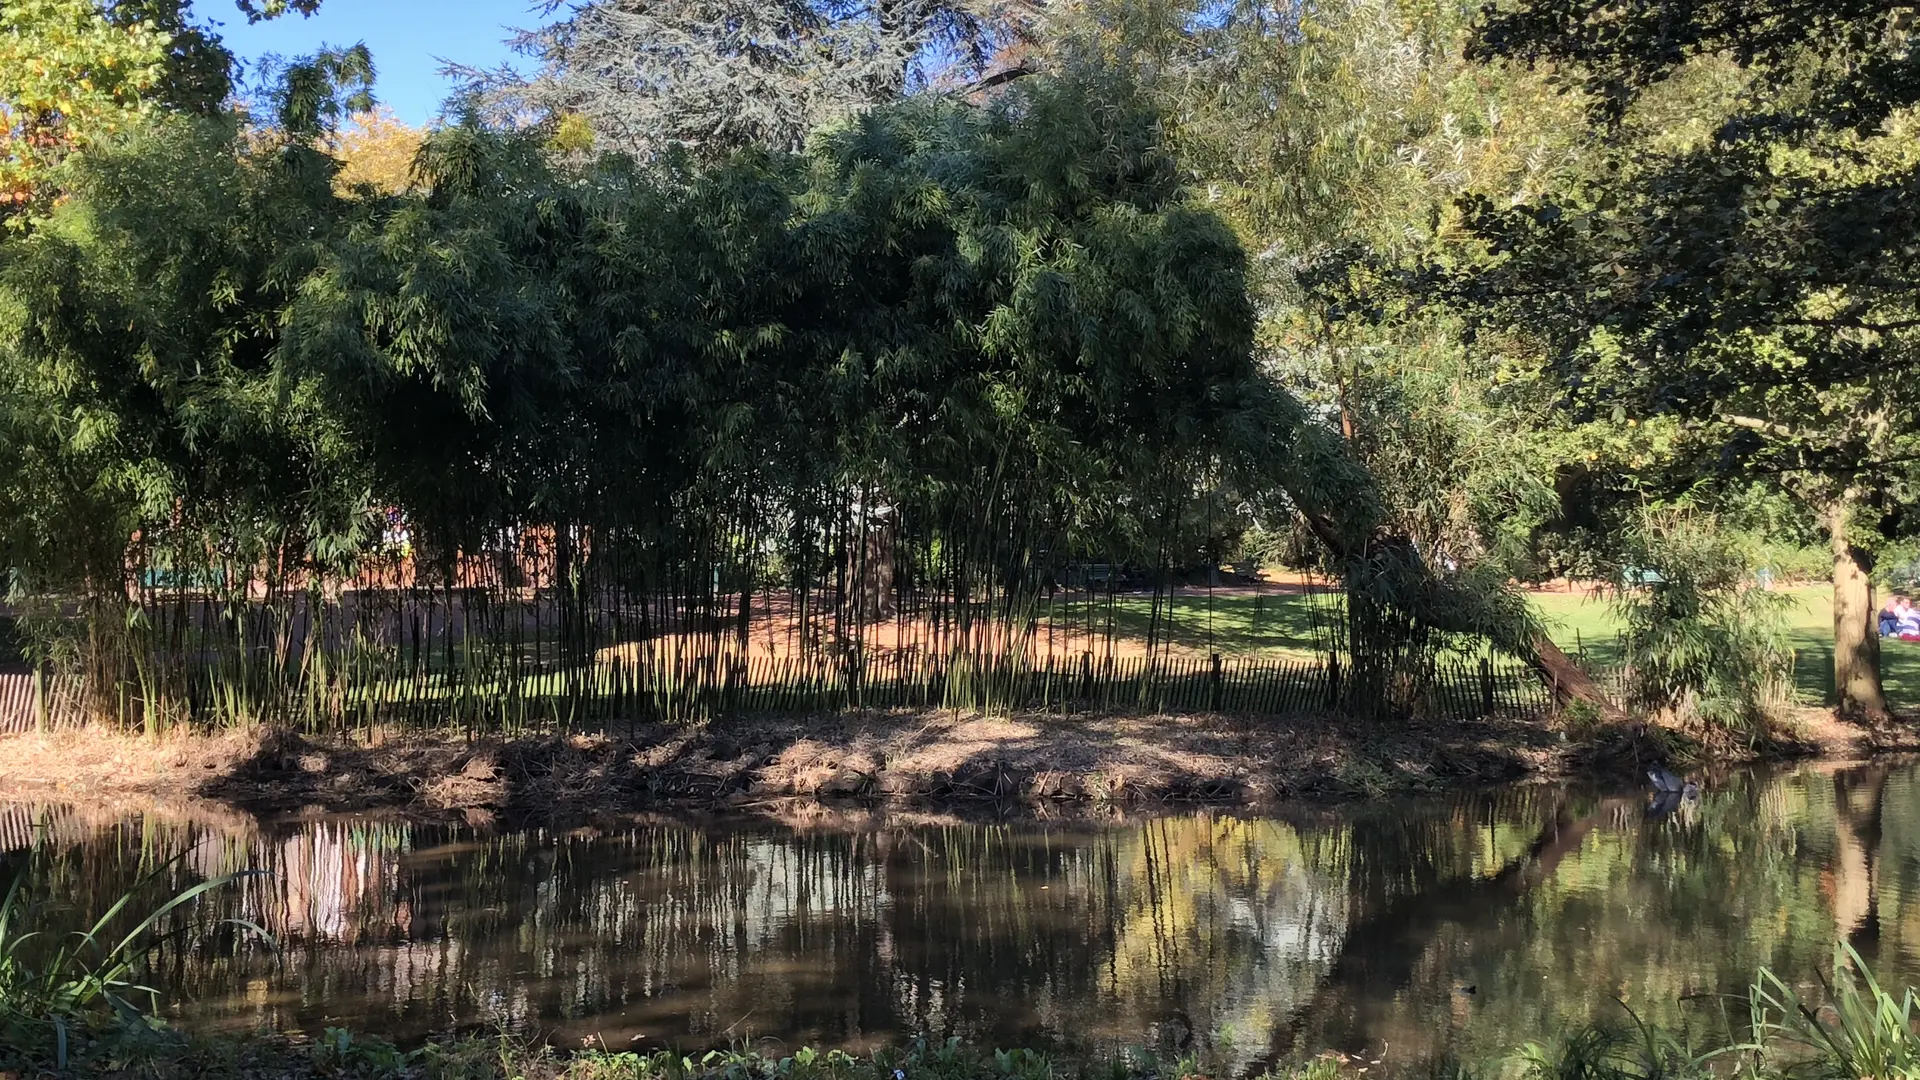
(1635, 1051)
(1862, 1031)
(59, 990)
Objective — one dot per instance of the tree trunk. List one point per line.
(873, 580)
(1555, 667)
(1857, 691)
(1570, 683)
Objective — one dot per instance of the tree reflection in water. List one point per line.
(1270, 936)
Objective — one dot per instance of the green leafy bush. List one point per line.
(1701, 641)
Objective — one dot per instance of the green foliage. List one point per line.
(312, 96)
(339, 1052)
(1862, 1031)
(75, 72)
(1334, 139)
(1615, 1052)
(68, 75)
(948, 349)
(256, 10)
(1735, 258)
(943, 351)
(1700, 640)
(62, 996)
(1898, 569)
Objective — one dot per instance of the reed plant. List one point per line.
(1861, 1031)
(1632, 1051)
(62, 992)
(1855, 1030)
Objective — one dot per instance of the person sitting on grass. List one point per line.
(1900, 620)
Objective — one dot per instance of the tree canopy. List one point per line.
(1734, 257)
(712, 76)
(934, 303)
(1454, 297)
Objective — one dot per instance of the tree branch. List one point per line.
(998, 78)
(1766, 427)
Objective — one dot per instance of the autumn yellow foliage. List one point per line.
(376, 150)
(68, 75)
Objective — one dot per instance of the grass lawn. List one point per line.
(1577, 621)
(1237, 623)
(1284, 622)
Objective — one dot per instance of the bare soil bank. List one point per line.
(903, 756)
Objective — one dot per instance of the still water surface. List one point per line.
(1361, 929)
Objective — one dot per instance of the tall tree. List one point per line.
(76, 71)
(1740, 260)
(1335, 138)
(712, 76)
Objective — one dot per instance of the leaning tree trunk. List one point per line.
(1857, 690)
(1569, 682)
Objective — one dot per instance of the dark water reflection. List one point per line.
(1358, 929)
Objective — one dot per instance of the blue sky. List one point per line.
(409, 38)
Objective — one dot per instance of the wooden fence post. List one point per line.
(1333, 680)
(1486, 687)
(1217, 697)
(852, 673)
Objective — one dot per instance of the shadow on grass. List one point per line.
(1813, 668)
(1237, 622)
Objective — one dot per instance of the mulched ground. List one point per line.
(901, 756)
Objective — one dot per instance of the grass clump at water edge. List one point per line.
(1860, 1031)
(65, 996)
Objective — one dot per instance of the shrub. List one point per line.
(1701, 643)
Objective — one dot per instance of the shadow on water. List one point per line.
(1407, 932)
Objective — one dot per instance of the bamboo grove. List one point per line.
(539, 431)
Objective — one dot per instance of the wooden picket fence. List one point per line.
(32, 701)
(610, 696)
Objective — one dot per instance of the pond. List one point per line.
(1409, 932)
